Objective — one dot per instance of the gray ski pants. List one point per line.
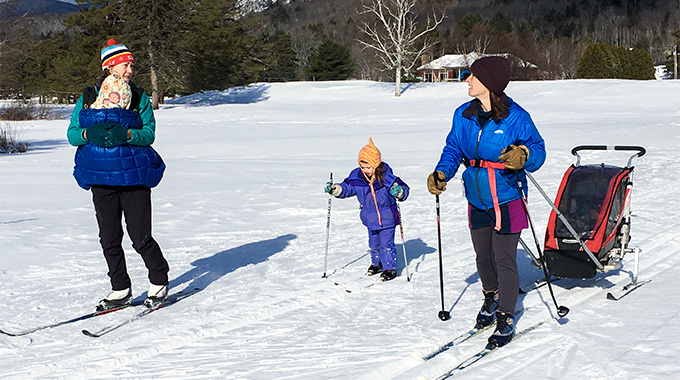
(497, 265)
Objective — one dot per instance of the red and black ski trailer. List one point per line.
(589, 227)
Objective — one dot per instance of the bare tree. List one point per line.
(478, 40)
(304, 43)
(395, 36)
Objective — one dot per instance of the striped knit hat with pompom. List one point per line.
(114, 53)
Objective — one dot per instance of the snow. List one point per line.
(241, 214)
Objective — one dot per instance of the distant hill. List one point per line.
(13, 8)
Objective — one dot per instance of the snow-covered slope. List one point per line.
(241, 214)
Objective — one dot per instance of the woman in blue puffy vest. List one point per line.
(377, 189)
(116, 162)
(496, 140)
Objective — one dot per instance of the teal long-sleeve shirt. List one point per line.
(140, 137)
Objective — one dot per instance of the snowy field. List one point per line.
(241, 215)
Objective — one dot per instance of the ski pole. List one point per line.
(328, 231)
(561, 310)
(443, 314)
(403, 243)
(566, 223)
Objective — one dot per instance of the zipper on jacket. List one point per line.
(479, 192)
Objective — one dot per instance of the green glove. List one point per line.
(333, 189)
(107, 134)
(397, 191)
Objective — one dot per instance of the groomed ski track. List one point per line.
(192, 327)
(543, 343)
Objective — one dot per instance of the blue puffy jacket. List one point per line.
(357, 184)
(467, 140)
(123, 165)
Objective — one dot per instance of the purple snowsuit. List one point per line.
(380, 229)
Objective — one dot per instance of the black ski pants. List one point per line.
(497, 265)
(134, 202)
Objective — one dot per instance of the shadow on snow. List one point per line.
(236, 95)
(416, 249)
(209, 269)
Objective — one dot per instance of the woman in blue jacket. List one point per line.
(496, 140)
(377, 189)
(115, 161)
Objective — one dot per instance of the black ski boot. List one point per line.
(487, 314)
(374, 269)
(388, 275)
(116, 299)
(505, 330)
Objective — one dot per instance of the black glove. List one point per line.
(107, 134)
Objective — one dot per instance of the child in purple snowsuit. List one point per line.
(377, 189)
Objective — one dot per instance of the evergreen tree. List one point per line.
(153, 31)
(90, 29)
(80, 66)
(216, 47)
(15, 62)
(467, 22)
(44, 80)
(601, 60)
(642, 64)
(279, 59)
(331, 61)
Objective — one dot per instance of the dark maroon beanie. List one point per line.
(493, 71)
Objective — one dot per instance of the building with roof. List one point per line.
(448, 68)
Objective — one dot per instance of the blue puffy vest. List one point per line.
(123, 165)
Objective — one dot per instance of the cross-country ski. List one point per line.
(172, 299)
(474, 358)
(65, 322)
(453, 342)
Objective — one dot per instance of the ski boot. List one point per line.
(116, 299)
(374, 269)
(487, 314)
(505, 330)
(156, 295)
(388, 275)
